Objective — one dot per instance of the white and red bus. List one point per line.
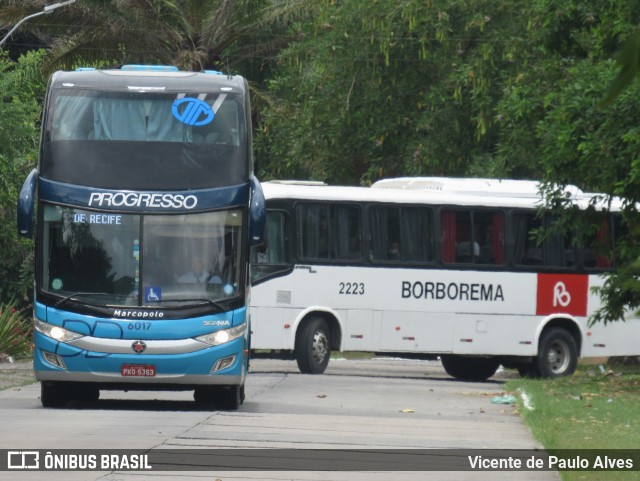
(432, 267)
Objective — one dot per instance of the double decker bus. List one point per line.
(146, 208)
(433, 267)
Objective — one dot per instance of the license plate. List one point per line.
(138, 370)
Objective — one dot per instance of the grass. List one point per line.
(593, 409)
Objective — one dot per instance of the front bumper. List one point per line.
(171, 367)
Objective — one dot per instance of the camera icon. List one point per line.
(23, 460)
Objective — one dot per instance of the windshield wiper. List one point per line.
(202, 300)
(76, 294)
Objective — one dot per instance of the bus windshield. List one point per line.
(133, 139)
(141, 260)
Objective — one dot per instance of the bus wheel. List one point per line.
(528, 370)
(86, 393)
(470, 368)
(204, 395)
(312, 347)
(54, 394)
(230, 397)
(557, 353)
(224, 397)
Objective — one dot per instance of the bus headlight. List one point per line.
(223, 336)
(55, 332)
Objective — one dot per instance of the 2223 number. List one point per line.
(352, 288)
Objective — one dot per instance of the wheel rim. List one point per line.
(320, 347)
(558, 357)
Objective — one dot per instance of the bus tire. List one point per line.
(204, 395)
(227, 398)
(54, 394)
(230, 397)
(469, 368)
(528, 370)
(86, 393)
(313, 348)
(557, 354)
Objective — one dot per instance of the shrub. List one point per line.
(15, 332)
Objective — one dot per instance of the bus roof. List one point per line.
(431, 190)
(152, 80)
(468, 186)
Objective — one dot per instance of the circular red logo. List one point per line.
(138, 347)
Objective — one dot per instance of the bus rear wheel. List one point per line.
(469, 368)
(557, 354)
(528, 370)
(313, 349)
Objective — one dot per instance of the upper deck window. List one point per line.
(208, 118)
(147, 140)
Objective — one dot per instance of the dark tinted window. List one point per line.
(330, 232)
(142, 140)
(401, 234)
(472, 236)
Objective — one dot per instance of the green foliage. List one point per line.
(629, 60)
(190, 34)
(15, 332)
(21, 88)
(439, 87)
(589, 410)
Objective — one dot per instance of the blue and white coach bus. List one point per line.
(146, 208)
(427, 267)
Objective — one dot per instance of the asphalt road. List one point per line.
(360, 406)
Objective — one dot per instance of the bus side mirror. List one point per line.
(26, 205)
(257, 214)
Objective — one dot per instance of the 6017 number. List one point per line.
(139, 326)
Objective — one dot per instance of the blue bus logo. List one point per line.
(192, 111)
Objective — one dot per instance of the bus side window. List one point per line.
(558, 250)
(457, 241)
(597, 253)
(271, 256)
(327, 232)
(384, 224)
(526, 251)
(448, 236)
(472, 237)
(489, 236)
(416, 235)
(555, 250)
(401, 234)
(346, 233)
(466, 247)
(312, 225)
